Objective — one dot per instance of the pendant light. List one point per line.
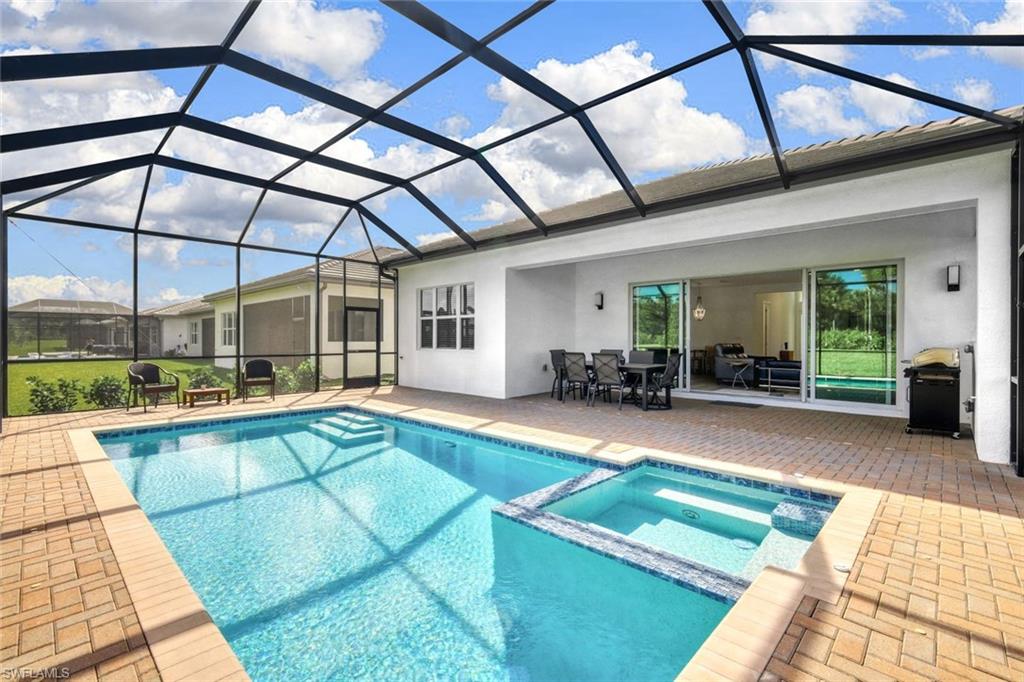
(699, 311)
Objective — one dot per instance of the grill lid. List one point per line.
(937, 357)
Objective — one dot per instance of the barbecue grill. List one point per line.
(934, 391)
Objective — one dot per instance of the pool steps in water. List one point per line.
(702, 503)
(353, 424)
(348, 432)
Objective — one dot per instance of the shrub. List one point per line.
(203, 376)
(107, 391)
(49, 396)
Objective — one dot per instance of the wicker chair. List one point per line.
(259, 373)
(146, 379)
(576, 375)
(663, 382)
(558, 365)
(607, 375)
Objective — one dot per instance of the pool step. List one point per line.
(346, 439)
(716, 506)
(353, 423)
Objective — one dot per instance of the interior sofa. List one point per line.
(724, 372)
(775, 374)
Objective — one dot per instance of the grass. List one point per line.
(87, 370)
(855, 363)
(18, 348)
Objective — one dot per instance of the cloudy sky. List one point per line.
(368, 52)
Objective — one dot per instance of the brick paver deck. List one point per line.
(935, 593)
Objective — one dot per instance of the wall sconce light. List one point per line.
(953, 277)
(599, 300)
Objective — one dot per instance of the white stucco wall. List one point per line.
(775, 231)
(539, 315)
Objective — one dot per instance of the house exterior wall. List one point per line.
(174, 335)
(332, 366)
(923, 216)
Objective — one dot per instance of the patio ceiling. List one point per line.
(419, 171)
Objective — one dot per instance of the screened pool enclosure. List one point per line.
(249, 190)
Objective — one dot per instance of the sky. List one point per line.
(364, 50)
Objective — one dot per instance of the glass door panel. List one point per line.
(855, 334)
(657, 322)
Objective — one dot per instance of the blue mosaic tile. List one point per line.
(799, 517)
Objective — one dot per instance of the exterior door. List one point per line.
(853, 328)
(362, 347)
(209, 334)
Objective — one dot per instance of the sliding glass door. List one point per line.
(656, 320)
(854, 334)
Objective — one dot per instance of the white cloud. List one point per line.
(652, 130)
(35, 9)
(931, 52)
(884, 108)
(1011, 21)
(303, 36)
(164, 252)
(818, 111)
(23, 288)
(775, 17)
(976, 92)
(431, 237)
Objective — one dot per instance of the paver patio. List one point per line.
(935, 593)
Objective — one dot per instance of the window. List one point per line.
(193, 332)
(227, 324)
(447, 317)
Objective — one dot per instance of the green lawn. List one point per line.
(18, 348)
(855, 363)
(87, 370)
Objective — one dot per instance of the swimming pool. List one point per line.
(332, 546)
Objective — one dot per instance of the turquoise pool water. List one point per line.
(716, 523)
(324, 553)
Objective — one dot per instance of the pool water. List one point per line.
(716, 523)
(370, 552)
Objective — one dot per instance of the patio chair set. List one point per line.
(147, 380)
(640, 380)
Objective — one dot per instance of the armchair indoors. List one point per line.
(259, 373)
(146, 379)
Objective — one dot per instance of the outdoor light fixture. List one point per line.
(599, 300)
(699, 311)
(953, 277)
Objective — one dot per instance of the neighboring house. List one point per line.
(58, 328)
(278, 321)
(186, 328)
(278, 317)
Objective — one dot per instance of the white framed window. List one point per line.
(193, 332)
(447, 317)
(227, 329)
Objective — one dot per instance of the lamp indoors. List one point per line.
(699, 311)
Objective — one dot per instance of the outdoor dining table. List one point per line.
(644, 369)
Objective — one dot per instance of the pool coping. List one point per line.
(176, 624)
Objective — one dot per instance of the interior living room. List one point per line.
(746, 334)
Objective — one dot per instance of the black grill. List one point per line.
(935, 395)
